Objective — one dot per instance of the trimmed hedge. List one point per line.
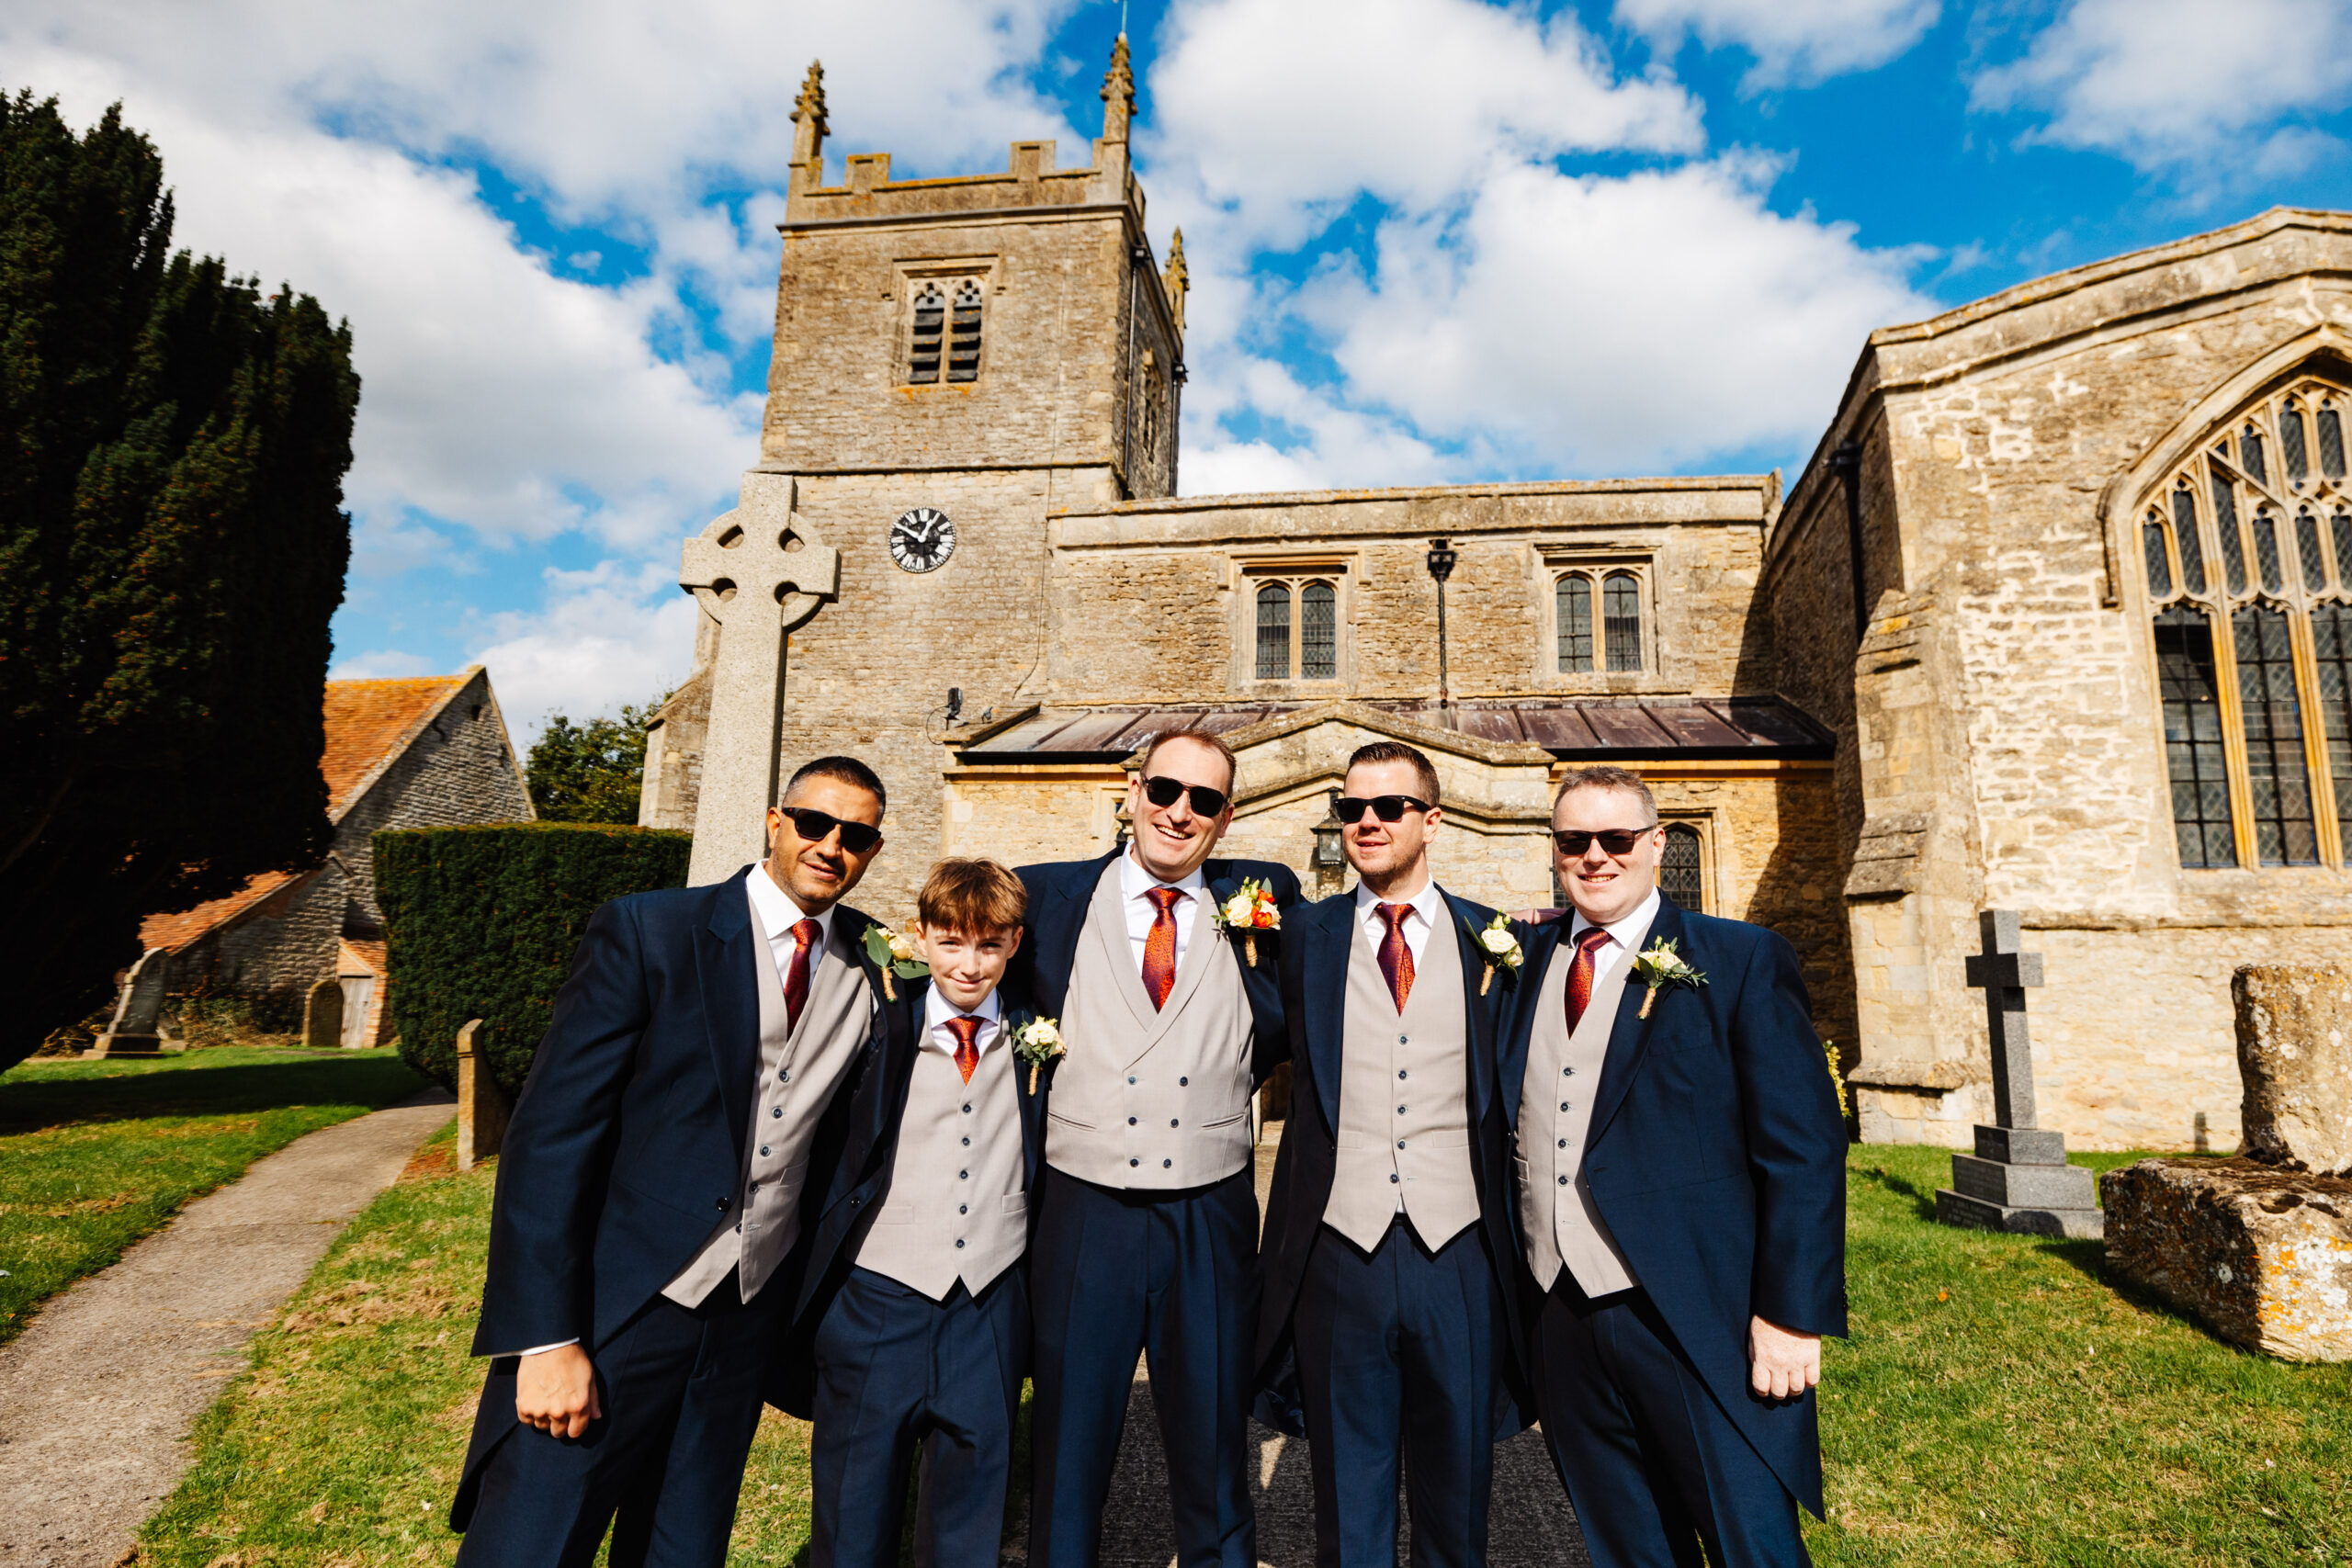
(482, 922)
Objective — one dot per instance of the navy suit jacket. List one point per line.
(1059, 894)
(1717, 1155)
(863, 1173)
(1315, 996)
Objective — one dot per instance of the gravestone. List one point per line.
(322, 1015)
(2258, 1248)
(758, 573)
(2019, 1178)
(482, 1109)
(133, 1032)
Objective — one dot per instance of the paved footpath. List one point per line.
(96, 1397)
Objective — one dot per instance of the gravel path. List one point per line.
(96, 1397)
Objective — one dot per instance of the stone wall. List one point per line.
(272, 955)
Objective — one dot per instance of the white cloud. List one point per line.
(606, 635)
(1795, 43)
(2190, 85)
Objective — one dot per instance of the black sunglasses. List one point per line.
(1388, 808)
(857, 838)
(1162, 793)
(1619, 841)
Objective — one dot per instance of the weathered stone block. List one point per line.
(2295, 1056)
(1953, 1208)
(322, 1015)
(482, 1108)
(2024, 1186)
(2261, 1257)
(2021, 1146)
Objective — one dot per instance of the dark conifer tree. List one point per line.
(172, 544)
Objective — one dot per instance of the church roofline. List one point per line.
(1767, 483)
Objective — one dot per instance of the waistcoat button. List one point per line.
(763, 1151)
(1171, 1121)
(775, 1110)
(1167, 1164)
(1131, 1121)
(963, 1208)
(1564, 1181)
(959, 1244)
(1184, 1083)
(1135, 1162)
(1131, 1077)
(1391, 1176)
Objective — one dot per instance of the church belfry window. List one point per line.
(2254, 673)
(931, 325)
(964, 333)
(944, 331)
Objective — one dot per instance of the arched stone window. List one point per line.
(1573, 606)
(964, 333)
(1621, 619)
(930, 331)
(2257, 722)
(1318, 632)
(1273, 632)
(1679, 873)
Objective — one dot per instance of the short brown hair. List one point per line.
(1602, 776)
(841, 770)
(1190, 731)
(974, 896)
(1398, 751)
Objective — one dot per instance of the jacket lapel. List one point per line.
(1057, 925)
(1330, 931)
(1510, 1063)
(727, 968)
(1629, 1037)
(1480, 1074)
(1033, 1106)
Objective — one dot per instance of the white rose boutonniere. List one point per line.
(1500, 950)
(893, 953)
(1661, 965)
(1038, 1042)
(1252, 909)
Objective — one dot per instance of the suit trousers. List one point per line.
(1399, 1353)
(1651, 1463)
(1113, 1273)
(680, 1388)
(900, 1377)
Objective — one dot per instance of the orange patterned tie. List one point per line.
(1159, 947)
(966, 1028)
(1580, 972)
(1396, 958)
(795, 974)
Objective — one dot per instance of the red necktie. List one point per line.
(1396, 958)
(795, 974)
(968, 1055)
(1159, 947)
(1580, 972)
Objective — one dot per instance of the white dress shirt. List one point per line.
(1428, 909)
(937, 1009)
(1134, 885)
(1626, 936)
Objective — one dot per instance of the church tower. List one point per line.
(956, 361)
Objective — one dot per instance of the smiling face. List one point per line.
(820, 874)
(1392, 857)
(1606, 888)
(965, 966)
(1170, 841)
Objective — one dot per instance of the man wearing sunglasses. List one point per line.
(649, 1196)
(1682, 1189)
(1390, 1262)
(1146, 1212)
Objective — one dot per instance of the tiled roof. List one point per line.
(176, 932)
(366, 722)
(1571, 728)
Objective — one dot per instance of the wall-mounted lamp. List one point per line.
(1331, 858)
(1442, 559)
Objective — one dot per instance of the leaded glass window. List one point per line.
(2284, 833)
(2193, 748)
(1318, 632)
(1621, 618)
(1273, 632)
(2307, 547)
(2332, 646)
(1573, 606)
(1678, 875)
(2290, 443)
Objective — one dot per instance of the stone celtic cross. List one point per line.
(2002, 974)
(758, 575)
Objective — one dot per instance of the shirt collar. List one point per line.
(1425, 903)
(778, 913)
(937, 1009)
(1135, 882)
(1628, 932)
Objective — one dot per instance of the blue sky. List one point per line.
(1432, 240)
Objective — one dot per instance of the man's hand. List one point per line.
(556, 1391)
(1781, 1364)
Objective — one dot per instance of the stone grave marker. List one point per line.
(758, 575)
(2258, 1248)
(322, 1015)
(2019, 1178)
(482, 1109)
(133, 1032)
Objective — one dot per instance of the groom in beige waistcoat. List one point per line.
(1389, 1261)
(1147, 1212)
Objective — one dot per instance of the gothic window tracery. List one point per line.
(2255, 670)
(944, 332)
(1297, 622)
(1597, 621)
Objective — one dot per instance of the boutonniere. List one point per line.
(1661, 965)
(893, 953)
(1038, 1042)
(1499, 948)
(1252, 909)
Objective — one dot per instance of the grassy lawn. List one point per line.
(96, 1154)
(1997, 1404)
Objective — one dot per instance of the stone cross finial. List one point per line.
(1177, 279)
(808, 127)
(758, 575)
(2003, 973)
(1118, 93)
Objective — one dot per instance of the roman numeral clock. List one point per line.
(922, 539)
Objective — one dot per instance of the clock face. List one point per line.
(922, 539)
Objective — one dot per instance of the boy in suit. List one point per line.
(916, 1304)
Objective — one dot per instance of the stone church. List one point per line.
(2057, 617)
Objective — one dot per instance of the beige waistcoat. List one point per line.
(956, 1208)
(1557, 1214)
(1146, 1098)
(1403, 1102)
(798, 1073)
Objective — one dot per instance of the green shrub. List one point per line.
(482, 922)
